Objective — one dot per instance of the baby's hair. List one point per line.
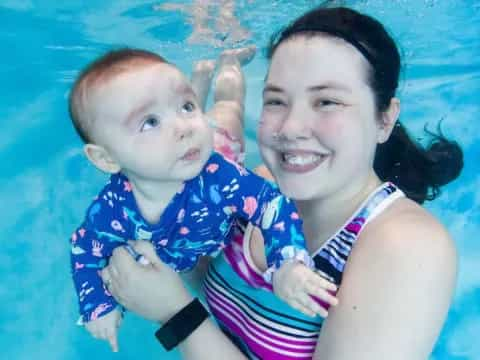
(104, 68)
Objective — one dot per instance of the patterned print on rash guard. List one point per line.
(195, 223)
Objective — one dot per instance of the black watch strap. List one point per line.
(181, 325)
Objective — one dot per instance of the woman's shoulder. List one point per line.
(400, 275)
(407, 220)
(407, 232)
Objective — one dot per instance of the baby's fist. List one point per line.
(105, 328)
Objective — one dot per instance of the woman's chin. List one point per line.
(298, 190)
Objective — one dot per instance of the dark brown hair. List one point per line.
(418, 171)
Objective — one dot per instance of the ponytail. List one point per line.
(419, 172)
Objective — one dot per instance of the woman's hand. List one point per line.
(153, 291)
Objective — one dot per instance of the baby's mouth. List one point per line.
(191, 154)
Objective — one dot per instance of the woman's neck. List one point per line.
(323, 217)
(152, 197)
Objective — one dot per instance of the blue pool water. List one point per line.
(45, 183)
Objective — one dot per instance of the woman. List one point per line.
(329, 134)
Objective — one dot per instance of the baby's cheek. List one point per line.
(207, 136)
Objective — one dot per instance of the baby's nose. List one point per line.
(184, 129)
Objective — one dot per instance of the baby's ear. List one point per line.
(100, 157)
(388, 120)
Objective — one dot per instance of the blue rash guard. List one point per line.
(195, 223)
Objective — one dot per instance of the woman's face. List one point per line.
(318, 128)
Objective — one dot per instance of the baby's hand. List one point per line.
(295, 284)
(105, 328)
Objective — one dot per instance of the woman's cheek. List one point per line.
(267, 126)
(330, 132)
(262, 134)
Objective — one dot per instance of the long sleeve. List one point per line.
(86, 260)
(91, 245)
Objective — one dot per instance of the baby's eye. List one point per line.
(273, 102)
(188, 107)
(150, 123)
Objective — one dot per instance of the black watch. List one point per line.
(182, 324)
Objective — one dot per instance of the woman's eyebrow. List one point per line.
(326, 86)
(329, 86)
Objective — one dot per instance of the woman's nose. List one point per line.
(295, 125)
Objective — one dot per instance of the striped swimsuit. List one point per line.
(259, 323)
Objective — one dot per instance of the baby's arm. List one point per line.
(90, 248)
(290, 268)
(87, 259)
(248, 196)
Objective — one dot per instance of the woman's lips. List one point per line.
(301, 161)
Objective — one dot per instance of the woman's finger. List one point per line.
(121, 262)
(106, 275)
(139, 258)
(111, 283)
(147, 250)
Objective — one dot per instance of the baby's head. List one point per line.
(138, 114)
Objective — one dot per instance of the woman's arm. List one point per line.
(194, 278)
(156, 292)
(207, 342)
(395, 293)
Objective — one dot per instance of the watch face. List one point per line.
(167, 337)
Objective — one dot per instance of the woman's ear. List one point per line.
(100, 157)
(388, 120)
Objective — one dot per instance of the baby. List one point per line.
(142, 123)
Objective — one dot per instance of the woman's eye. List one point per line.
(150, 123)
(325, 103)
(188, 107)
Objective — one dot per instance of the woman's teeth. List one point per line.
(295, 159)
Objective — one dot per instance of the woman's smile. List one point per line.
(301, 161)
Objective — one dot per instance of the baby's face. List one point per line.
(149, 121)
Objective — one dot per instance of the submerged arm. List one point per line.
(156, 292)
(194, 278)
